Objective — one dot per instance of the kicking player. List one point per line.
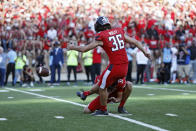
(117, 94)
(113, 43)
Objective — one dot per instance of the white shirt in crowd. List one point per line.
(11, 56)
(140, 57)
(174, 56)
(52, 34)
(169, 22)
(174, 50)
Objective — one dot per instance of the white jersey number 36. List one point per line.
(117, 42)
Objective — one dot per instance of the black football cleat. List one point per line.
(81, 95)
(100, 113)
(122, 110)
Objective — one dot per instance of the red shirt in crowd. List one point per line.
(88, 33)
(162, 44)
(153, 44)
(193, 31)
(141, 24)
(189, 40)
(64, 44)
(41, 32)
(46, 45)
(129, 31)
(151, 22)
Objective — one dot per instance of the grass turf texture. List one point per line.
(26, 112)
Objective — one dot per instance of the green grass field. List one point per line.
(35, 110)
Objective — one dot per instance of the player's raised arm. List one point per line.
(137, 44)
(86, 48)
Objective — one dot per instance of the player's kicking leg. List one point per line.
(126, 94)
(95, 89)
(83, 95)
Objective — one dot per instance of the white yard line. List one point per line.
(36, 90)
(170, 114)
(3, 119)
(10, 97)
(154, 88)
(82, 105)
(4, 91)
(59, 117)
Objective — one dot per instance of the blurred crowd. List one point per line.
(36, 32)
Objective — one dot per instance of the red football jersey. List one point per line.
(114, 45)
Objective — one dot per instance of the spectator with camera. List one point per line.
(183, 60)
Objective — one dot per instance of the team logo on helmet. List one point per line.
(102, 23)
(105, 20)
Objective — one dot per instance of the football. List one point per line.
(42, 71)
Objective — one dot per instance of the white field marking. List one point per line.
(169, 114)
(150, 94)
(154, 88)
(185, 94)
(3, 119)
(4, 91)
(38, 97)
(35, 90)
(59, 117)
(10, 97)
(82, 105)
(124, 114)
(101, 115)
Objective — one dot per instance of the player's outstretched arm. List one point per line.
(86, 48)
(137, 44)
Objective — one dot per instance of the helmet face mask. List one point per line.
(102, 23)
